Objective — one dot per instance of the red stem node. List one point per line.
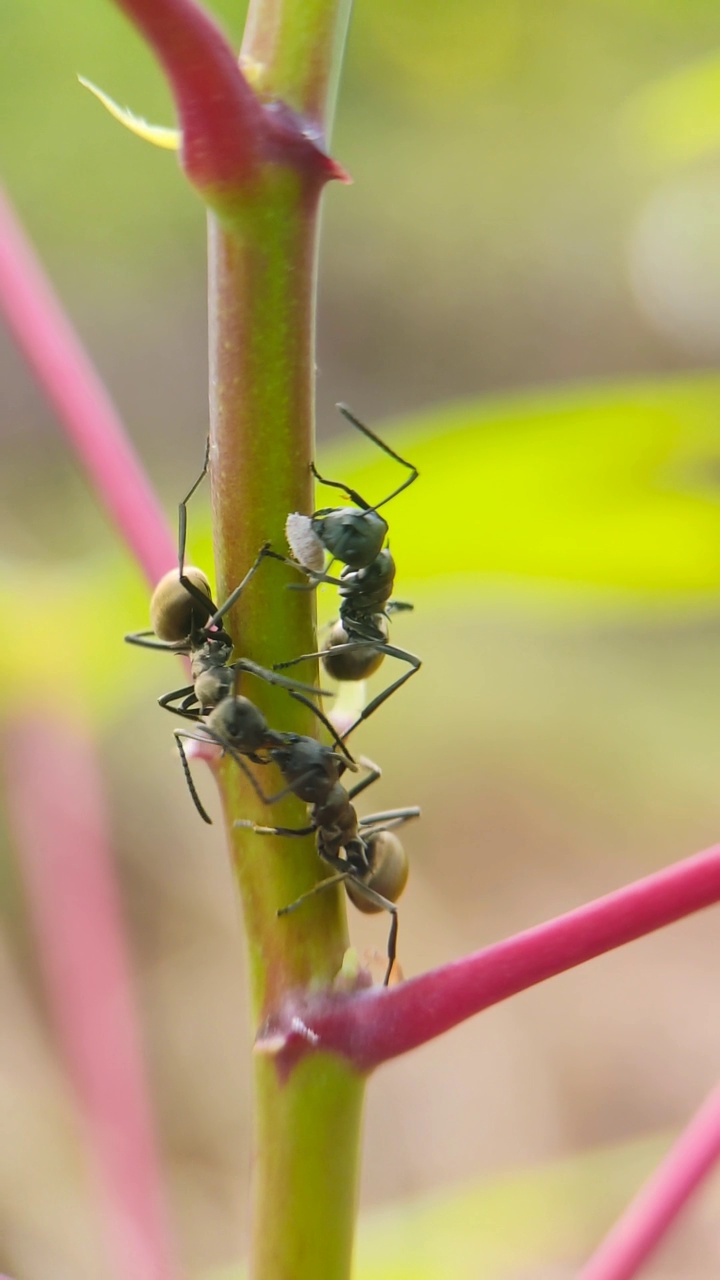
(227, 132)
(370, 1027)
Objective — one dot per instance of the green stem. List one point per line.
(262, 319)
(261, 361)
(294, 48)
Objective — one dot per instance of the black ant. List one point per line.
(358, 641)
(240, 728)
(186, 620)
(374, 868)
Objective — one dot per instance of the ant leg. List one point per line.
(392, 652)
(182, 510)
(337, 484)
(191, 785)
(383, 904)
(211, 735)
(200, 597)
(315, 575)
(273, 831)
(375, 772)
(188, 696)
(317, 579)
(219, 614)
(389, 819)
(340, 648)
(139, 638)
(392, 943)
(246, 664)
(355, 422)
(318, 888)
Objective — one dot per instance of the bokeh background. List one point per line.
(526, 275)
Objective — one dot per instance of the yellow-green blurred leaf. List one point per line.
(609, 492)
(563, 1209)
(499, 1227)
(677, 118)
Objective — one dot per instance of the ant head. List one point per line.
(239, 722)
(387, 875)
(354, 537)
(174, 613)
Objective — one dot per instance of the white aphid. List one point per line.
(304, 542)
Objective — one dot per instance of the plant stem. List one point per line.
(261, 363)
(262, 360)
(295, 48)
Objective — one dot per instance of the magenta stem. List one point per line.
(57, 815)
(372, 1027)
(70, 383)
(221, 120)
(653, 1212)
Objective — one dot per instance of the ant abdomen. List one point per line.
(173, 611)
(358, 661)
(388, 872)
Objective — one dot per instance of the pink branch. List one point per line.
(371, 1027)
(220, 118)
(63, 370)
(56, 811)
(227, 132)
(653, 1211)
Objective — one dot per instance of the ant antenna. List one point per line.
(360, 426)
(191, 785)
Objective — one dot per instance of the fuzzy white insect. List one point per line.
(304, 542)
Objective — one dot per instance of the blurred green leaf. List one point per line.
(609, 491)
(677, 118)
(492, 1228)
(600, 500)
(564, 1209)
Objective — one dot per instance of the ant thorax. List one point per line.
(309, 767)
(212, 684)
